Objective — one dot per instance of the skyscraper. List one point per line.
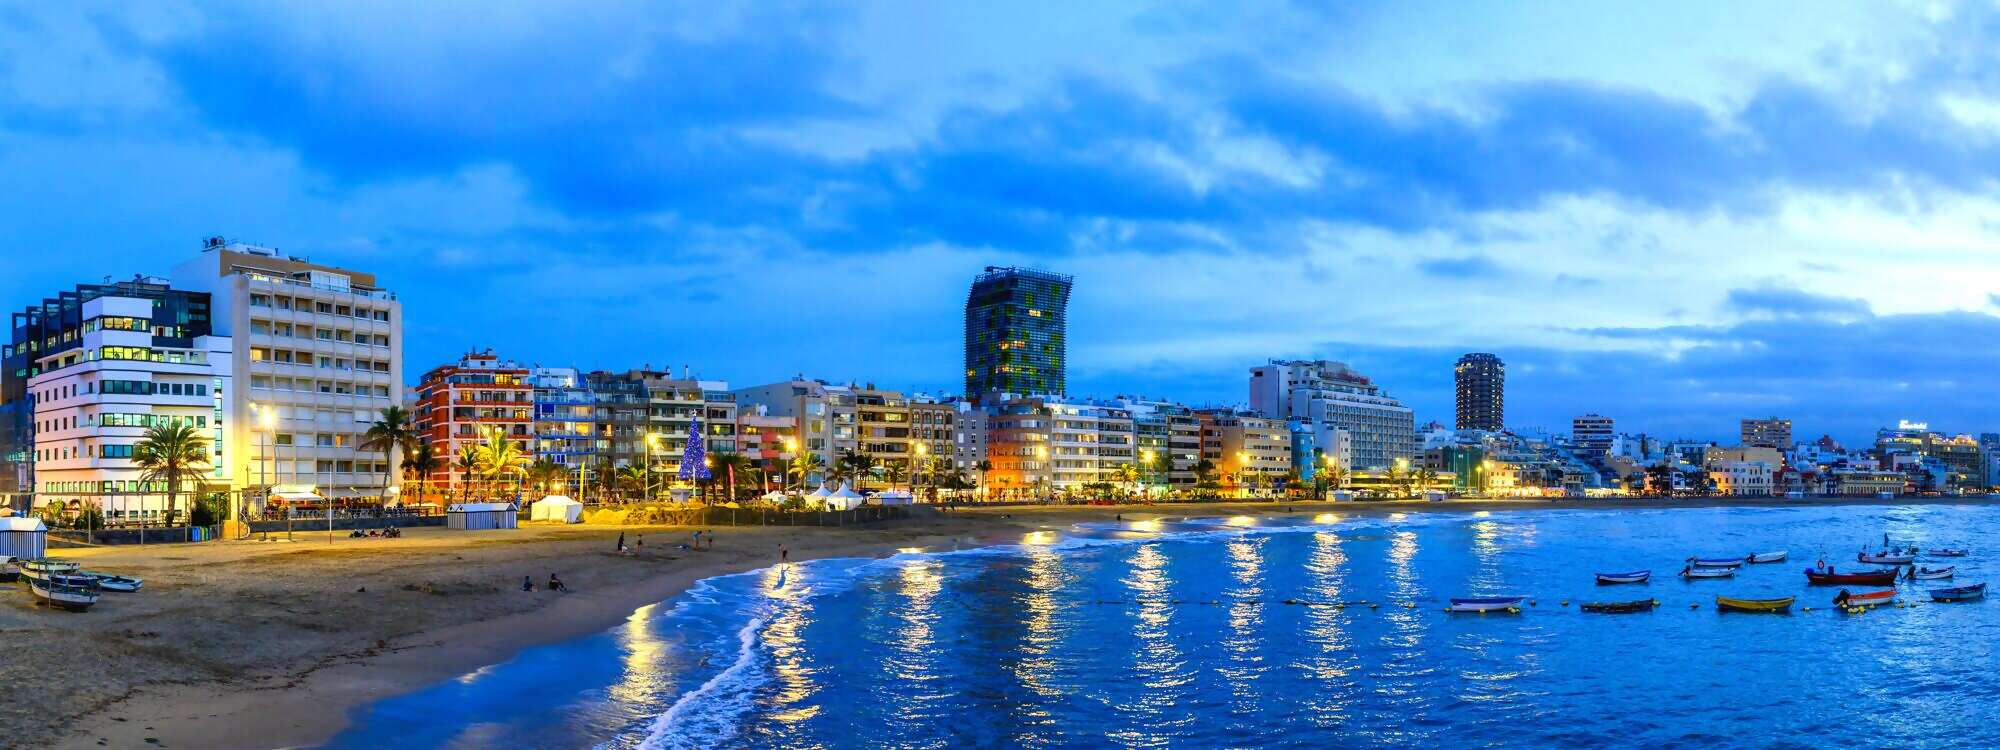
(1015, 340)
(1768, 433)
(1591, 433)
(1482, 397)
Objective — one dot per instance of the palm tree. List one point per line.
(728, 465)
(391, 434)
(804, 465)
(467, 464)
(631, 479)
(544, 473)
(421, 465)
(172, 454)
(1128, 474)
(983, 466)
(852, 466)
(501, 457)
(892, 472)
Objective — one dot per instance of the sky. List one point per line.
(1677, 216)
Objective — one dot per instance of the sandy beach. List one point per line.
(269, 644)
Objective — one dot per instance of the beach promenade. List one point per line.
(268, 644)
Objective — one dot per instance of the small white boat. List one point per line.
(1488, 604)
(109, 582)
(1767, 557)
(1636, 576)
(60, 592)
(1948, 552)
(1932, 574)
(1698, 571)
(1886, 558)
(1715, 562)
(41, 568)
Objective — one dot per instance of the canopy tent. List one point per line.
(774, 497)
(472, 516)
(843, 499)
(821, 493)
(24, 537)
(556, 508)
(895, 497)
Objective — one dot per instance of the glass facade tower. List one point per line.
(1015, 332)
(1482, 392)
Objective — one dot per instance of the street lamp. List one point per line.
(798, 461)
(1146, 463)
(1242, 469)
(652, 440)
(917, 470)
(1048, 474)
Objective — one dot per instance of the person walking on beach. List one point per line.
(621, 542)
(784, 553)
(710, 536)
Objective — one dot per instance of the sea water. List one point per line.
(1273, 631)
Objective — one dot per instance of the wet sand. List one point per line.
(270, 644)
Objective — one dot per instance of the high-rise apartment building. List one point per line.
(110, 366)
(1768, 433)
(317, 356)
(1482, 389)
(1015, 337)
(469, 402)
(1350, 417)
(1591, 435)
(646, 415)
(565, 418)
(55, 326)
(1250, 451)
(1045, 444)
(824, 416)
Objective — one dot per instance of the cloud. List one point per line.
(1466, 267)
(1793, 303)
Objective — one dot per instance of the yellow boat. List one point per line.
(1726, 604)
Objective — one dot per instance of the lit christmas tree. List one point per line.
(694, 460)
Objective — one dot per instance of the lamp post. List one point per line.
(1146, 471)
(917, 470)
(792, 447)
(1243, 479)
(1403, 468)
(651, 439)
(1047, 474)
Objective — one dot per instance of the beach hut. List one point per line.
(774, 497)
(894, 497)
(556, 508)
(24, 537)
(843, 499)
(474, 516)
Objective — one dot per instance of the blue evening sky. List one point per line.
(1675, 214)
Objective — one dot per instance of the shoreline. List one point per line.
(308, 700)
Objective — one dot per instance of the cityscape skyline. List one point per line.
(1211, 225)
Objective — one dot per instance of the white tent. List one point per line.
(774, 497)
(465, 516)
(895, 497)
(821, 493)
(843, 499)
(24, 537)
(556, 508)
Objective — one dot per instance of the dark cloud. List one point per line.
(1793, 303)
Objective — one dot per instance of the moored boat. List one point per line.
(41, 568)
(1864, 578)
(1766, 557)
(109, 582)
(1488, 604)
(1865, 598)
(1948, 552)
(58, 592)
(1932, 574)
(1702, 571)
(1636, 576)
(1731, 604)
(1886, 558)
(1619, 608)
(1959, 593)
(1715, 562)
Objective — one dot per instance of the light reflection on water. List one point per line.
(1188, 641)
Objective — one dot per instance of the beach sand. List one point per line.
(270, 644)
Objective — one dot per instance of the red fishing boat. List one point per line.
(1863, 578)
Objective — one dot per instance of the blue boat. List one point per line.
(1488, 604)
(1959, 593)
(1636, 576)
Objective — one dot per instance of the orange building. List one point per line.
(457, 405)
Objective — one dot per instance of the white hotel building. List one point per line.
(318, 355)
(94, 401)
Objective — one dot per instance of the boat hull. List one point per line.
(1492, 604)
(1947, 553)
(1619, 608)
(1766, 557)
(1715, 562)
(1695, 574)
(1928, 574)
(1870, 598)
(40, 570)
(1883, 578)
(1637, 576)
(1959, 593)
(72, 598)
(1869, 559)
(1730, 604)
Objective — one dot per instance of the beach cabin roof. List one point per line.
(22, 523)
(479, 507)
